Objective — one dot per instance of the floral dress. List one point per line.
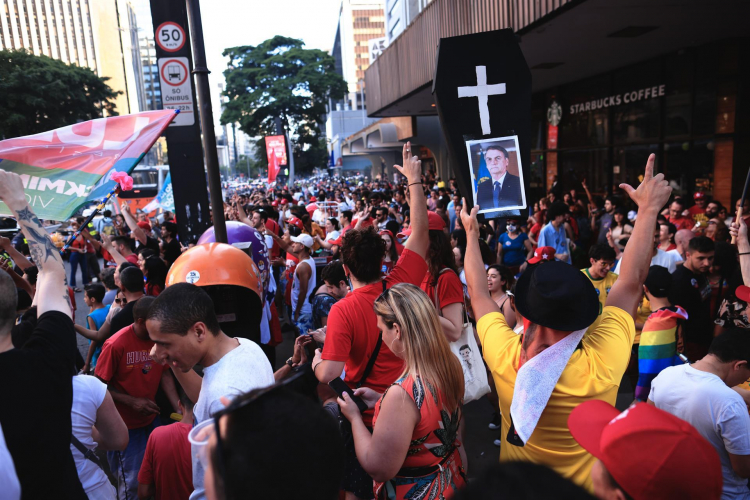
(433, 468)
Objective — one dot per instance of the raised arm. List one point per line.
(52, 284)
(18, 258)
(109, 247)
(476, 277)
(650, 196)
(419, 241)
(133, 224)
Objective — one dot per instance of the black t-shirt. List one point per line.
(172, 250)
(122, 319)
(153, 244)
(37, 395)
(692, 292)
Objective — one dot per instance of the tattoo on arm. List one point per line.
(40, 245)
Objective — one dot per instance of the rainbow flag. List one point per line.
(658, 347)
(68, 167)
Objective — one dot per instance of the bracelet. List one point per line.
(414, 183)
(744, 253)
(314, 367)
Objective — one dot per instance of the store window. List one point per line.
(589, 164)
(640, 120)
(585, 128)
(678, 100)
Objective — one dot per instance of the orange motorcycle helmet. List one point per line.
(231, 279)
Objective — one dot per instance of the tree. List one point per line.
(281, 79)
(38, 93)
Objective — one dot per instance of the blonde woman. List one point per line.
(414, 442)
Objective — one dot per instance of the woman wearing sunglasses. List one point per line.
(414, 443)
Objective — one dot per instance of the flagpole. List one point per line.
(207, 120)
(85, 224)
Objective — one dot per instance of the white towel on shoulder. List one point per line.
(535, 381)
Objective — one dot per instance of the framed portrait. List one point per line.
(496, 175)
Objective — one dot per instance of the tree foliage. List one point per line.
(38, 93)
(281, 79)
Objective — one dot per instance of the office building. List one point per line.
(98, 34)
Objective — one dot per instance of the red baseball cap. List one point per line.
(284, 201)
(542, 253)
(743, 293)
(313, 199)
(294, 221)
(145, 225)
(434, 223)
(275, 203)
(649, 452)
(699, 195)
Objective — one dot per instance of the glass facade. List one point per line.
(678, 106)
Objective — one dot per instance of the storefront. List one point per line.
(686, 107)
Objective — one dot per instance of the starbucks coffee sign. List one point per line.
(618, 99)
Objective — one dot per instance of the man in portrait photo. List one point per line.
(503, 188)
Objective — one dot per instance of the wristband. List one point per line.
(414, 183)
(744, 253)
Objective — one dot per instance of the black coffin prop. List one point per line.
(482, 90)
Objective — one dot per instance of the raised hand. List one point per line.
(469, 219)
(653, 192)
(412, 168)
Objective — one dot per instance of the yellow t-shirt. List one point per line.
(593, 372)
(602, 286)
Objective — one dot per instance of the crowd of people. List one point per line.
(404, 306)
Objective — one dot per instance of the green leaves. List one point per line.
(280, 78)
(38, 93)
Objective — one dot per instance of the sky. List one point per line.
(230, 23)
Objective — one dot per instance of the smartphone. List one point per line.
(340, 387)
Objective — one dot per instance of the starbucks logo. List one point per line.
(554, 113)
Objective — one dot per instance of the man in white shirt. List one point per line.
(183, 325)
(669, 260)
(701, 394)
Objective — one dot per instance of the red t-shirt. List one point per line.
(132, 258)
(449, 288)
(682, 222)
(535, 230)
(167, 462)
(275, 250)
(125, 363)
(353, 332)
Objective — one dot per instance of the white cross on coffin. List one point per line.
(482, 91)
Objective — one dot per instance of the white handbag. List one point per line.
(468, 354)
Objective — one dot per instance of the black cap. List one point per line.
(558, 296)
(658, 281)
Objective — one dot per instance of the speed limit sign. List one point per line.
(170, 36)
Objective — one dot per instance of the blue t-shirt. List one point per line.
(99, 316)
(514, 251)
(549, 237)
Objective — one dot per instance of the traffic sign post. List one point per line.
(176, 89)
(170, 36)
(174, 57)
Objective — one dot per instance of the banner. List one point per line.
(276, 154)
(165, 198)
(68, 167)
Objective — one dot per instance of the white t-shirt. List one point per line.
(11, 488)
(332, 236)
(88, 396)
(717, 412)
(241, 370)
(662, 258)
